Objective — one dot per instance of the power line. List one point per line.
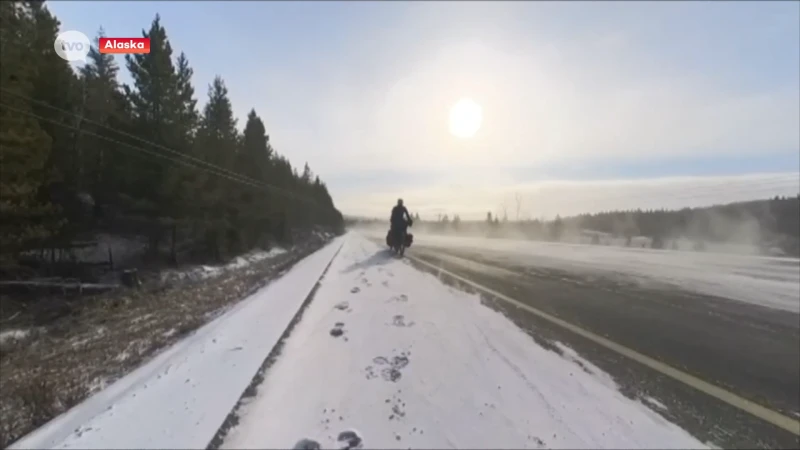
(214, 171)
(132, 136)
(156, 154)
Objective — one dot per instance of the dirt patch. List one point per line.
(59, 364)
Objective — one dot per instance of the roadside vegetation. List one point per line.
(129, 216)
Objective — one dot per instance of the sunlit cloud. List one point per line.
(536, 110)
(544, 102)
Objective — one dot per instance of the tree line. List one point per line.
(769, 224)
(81, 152)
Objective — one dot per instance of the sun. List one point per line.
(465, 118)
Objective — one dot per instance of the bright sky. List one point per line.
(585, 106)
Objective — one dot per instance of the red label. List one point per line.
(124, 45)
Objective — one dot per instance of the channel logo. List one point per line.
(72, 46)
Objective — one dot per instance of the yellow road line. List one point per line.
(766, 414)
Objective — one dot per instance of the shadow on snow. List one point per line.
(379, 258)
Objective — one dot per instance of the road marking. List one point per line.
(766, 414)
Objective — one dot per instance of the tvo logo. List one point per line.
(72, 46)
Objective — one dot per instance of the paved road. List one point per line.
(750, 350)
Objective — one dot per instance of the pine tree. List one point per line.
(182, 180)
(156, 110)
(188, 116)
(217, 141)
(255, 205)
(307, 174)
(24, 145)
(101, 108)
(56, 96)
(254, 160)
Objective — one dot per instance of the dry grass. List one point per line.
(59, 364)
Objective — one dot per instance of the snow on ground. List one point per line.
(404, 361)
(181, 397)
(204, 272)
(654, 402)
(13, 335)
(767, 281)
(383, 350)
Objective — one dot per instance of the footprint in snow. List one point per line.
(402, 298)
(307, 444)
(385, 283)
(391, 373)
(397, 412)
(349, 439)
(355, 290)
(539, 443)
(399, 321)
(342, 306)
(338, 329)
(80, 431)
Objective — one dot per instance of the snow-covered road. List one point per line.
(383, 350)
(420, 365)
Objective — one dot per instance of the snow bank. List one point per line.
(180, 398)
(398, 360)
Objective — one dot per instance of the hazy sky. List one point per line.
(586, 106)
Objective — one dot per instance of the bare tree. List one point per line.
(518, 202)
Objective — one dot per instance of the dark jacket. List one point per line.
(399, 215)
